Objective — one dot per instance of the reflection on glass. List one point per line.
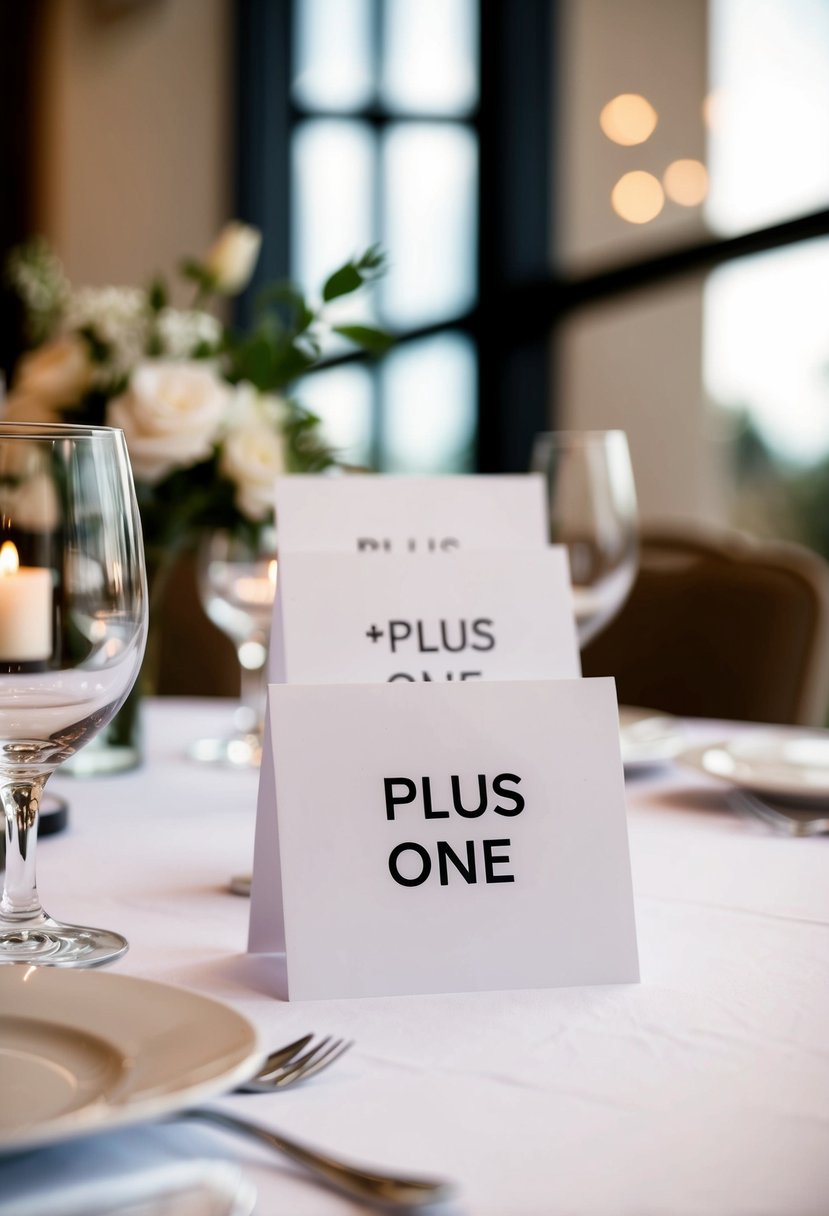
(430, 183)
(333, 197)
(342, 398)
(333, 54)
(430, 56)
(429, 391)
(770, 127)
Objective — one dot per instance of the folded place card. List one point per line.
(481, 615)
(361, 513)
(440, 837)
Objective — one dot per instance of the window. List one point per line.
(386, 122)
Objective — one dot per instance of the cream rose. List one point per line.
(171, 415)
(253, 455)
(58, 372)
(232, 257)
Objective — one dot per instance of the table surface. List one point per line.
(703, 1089)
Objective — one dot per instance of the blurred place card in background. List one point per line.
(504, 615)
(361, 513)
(444, 837)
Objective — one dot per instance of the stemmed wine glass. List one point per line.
(73, 624)
(237, 584)
(591, 503)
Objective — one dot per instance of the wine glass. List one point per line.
(73, 624)
(237, 584)
(591, 503)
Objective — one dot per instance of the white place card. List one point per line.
(481, 615)
(364, 513)
(444, 837)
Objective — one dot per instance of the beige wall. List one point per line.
(135, 133)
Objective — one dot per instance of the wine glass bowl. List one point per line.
(237, 585)
(591, 505)
(73, 624)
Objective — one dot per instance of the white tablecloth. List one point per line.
(702, 1090)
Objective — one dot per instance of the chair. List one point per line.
(718, 625)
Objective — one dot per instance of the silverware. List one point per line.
(793, 820)
(286, 1066)
(366, 1185)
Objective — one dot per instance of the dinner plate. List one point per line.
(783, 762)
(647, 737)
(83, 1051)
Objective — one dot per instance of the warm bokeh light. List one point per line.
(711, 108)
(628, 119)
(637, 197)
(686, 182)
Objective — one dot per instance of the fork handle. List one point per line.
(354, 1181)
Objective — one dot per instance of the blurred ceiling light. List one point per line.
(637, 197)
(628, 119)
(686, 182)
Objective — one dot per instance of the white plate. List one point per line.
(782, 763)
(83, 1051)
(648, 738)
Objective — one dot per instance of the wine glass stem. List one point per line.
(21, 803)
(252, 708)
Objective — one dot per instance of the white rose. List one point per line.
(252, 457)
(58, 372)
(171, 415)
(232, 257)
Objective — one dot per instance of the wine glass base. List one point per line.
(50, 944)
(237, 751)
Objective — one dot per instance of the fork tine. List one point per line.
(293, 1061)
(300, 1071)
(284, 1054)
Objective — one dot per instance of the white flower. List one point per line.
(120, 318)
(171, 415)
(182, 333)
(253, 450)
(232, 257)
(57, 373)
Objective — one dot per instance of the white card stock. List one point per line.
(478, 615)
(439, 837)
(370, 514)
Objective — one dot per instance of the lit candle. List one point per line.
(25, 609)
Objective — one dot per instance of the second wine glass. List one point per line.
(237, 584)
(591, 506)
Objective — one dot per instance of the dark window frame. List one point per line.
(523, 300)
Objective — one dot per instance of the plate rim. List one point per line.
(692, 758)
(103, 1116)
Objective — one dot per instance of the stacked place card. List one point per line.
(443, 836)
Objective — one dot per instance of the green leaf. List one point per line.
(376, 341)
(157, 295)
(342, 282)
(193, 270)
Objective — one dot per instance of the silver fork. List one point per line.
(388, 1191)
(793, 820)
(288, 1065)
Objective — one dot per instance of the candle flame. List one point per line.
(9, 561)
(272, 572)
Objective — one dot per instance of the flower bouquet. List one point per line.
(207, 411)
